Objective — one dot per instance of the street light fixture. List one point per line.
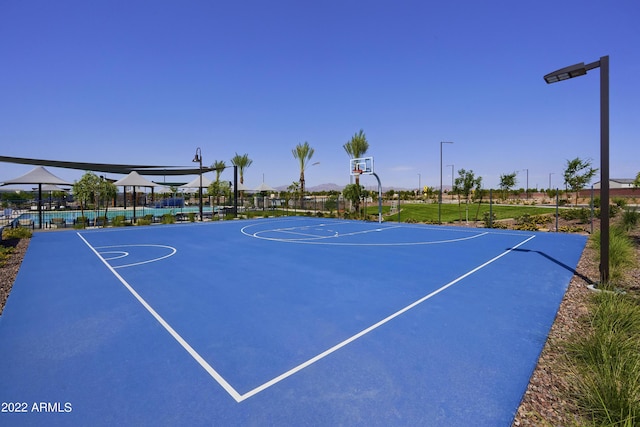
(198, 159)
(576, 71)
(440, 195)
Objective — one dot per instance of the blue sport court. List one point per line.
(280, 321)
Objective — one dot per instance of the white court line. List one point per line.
(322, 240)
(216, 376)
(173, 252)
(241, 397)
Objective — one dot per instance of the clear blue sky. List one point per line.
(149, 81)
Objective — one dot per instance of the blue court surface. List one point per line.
(283, 321)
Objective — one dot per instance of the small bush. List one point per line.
(620, 202)
(192, 216)
(81, 222)
(168, 219)
(489, 221)
(143, 221)
(17, 233)
(604, 366)
(630, 218)
(5, 253)
(119, 221)
(621, 251)
(571, 229)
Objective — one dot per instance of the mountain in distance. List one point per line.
(315, 188)
(336, 187)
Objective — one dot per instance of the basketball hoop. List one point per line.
(357, 172)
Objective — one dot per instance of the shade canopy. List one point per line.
(37, 175)
(206, 182)
(265, 187)
(134, 179)
(108, 167)
(242, 187)
(52, 187)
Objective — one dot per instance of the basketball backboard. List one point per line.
(363, 165)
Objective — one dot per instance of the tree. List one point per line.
(353, 193)
(84, 190)
(106, 191)
(357, 147)
(578, 174)
(636, 183)
(507, 182)
(219, 166)
(464, 184)
(242, 162)
(302, 152)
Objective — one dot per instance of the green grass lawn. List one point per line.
(452, 212)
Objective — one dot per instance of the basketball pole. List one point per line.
(379, 198)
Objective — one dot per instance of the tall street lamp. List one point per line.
(419, 184)
(198, 159)
(440, 195)
(550, 173)
(576, 71)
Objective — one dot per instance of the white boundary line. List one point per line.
(216, 376)
(171, 248)
(241, 397)
(322, 240)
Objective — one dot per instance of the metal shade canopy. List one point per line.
(40, 176)
(134, 180)
(108, 167)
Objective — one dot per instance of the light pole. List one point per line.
(198, 159)
(419, 184)
(440, 195)
(576, 71)
(550, 173)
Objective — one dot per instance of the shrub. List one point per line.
(118, 221)
(143, 221)
(17, 233)
(620, 202)
(526, 222)
(604, 366)
(5, 253)
(81, 222)
(630, 218)
(192, 216)
(168, 219)
(489, 221)
(621, 251)
(571, 229)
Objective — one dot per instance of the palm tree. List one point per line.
(219, 166)
(356, 148)
(302, 152)
(242, 162)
